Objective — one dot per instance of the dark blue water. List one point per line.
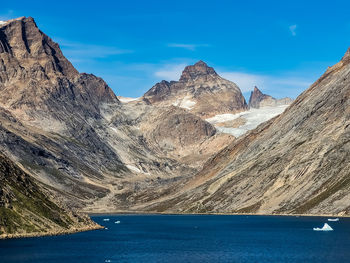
(190, 238)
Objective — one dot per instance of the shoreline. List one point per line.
(97, 226)
(217, 213)
(51, 233)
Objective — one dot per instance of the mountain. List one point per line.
(258, 99)
(200, 90)
(296, 163)
(26, 211)
(76, 142)
(69, 132)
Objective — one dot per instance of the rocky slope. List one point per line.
(26, 211)
(258, 100)
(71, 133)
(296, 163)
(200, 90)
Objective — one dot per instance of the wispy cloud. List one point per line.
(7, 15)
(283, 84)
(191, 47)
(78, 52)
(292, 29)
(170, 71)
(245, 81)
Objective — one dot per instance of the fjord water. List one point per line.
(190, 238)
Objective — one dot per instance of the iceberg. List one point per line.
(106, 219)
(325, 227)
(333, 219)
(117, 222)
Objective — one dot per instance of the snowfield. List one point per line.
(253, 118)
(185, 103)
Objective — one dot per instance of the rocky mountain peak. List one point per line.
(193, 72)
(258, 99)
(36, 76)
(21, 39)
(256, 96)
(200, 90)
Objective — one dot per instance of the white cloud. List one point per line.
(170, 71)
(245, 81)
(279, 85)
(191, 47)
(292, 29)
(78, 52)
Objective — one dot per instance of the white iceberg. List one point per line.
(106, 219)
(117, 222)
(325, 227)
(333, 219)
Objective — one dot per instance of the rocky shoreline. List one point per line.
(52, 233)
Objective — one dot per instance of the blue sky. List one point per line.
(280, 46)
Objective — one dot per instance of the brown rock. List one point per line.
(200, 90)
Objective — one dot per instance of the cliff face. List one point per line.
(35, 76)
(200, 90)
(295, 163)
(26, 211)
(258, 99)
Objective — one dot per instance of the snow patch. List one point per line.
(126, 99)
(253, 118)
(185, 103)
(137, 170)
(2, 22)
(133, 168)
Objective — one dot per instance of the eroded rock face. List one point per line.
(258, 100)
(200, 90)
(295, 163)
(181, 135)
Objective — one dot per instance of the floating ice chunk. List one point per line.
(333, 219)
(108, 260)
(117, 222)
(106, 219)
(325, 227)
(106, 228)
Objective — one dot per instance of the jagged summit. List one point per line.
(200, 69)
(258, 99)
(200, 90)
(256, 96)
(35, 75)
